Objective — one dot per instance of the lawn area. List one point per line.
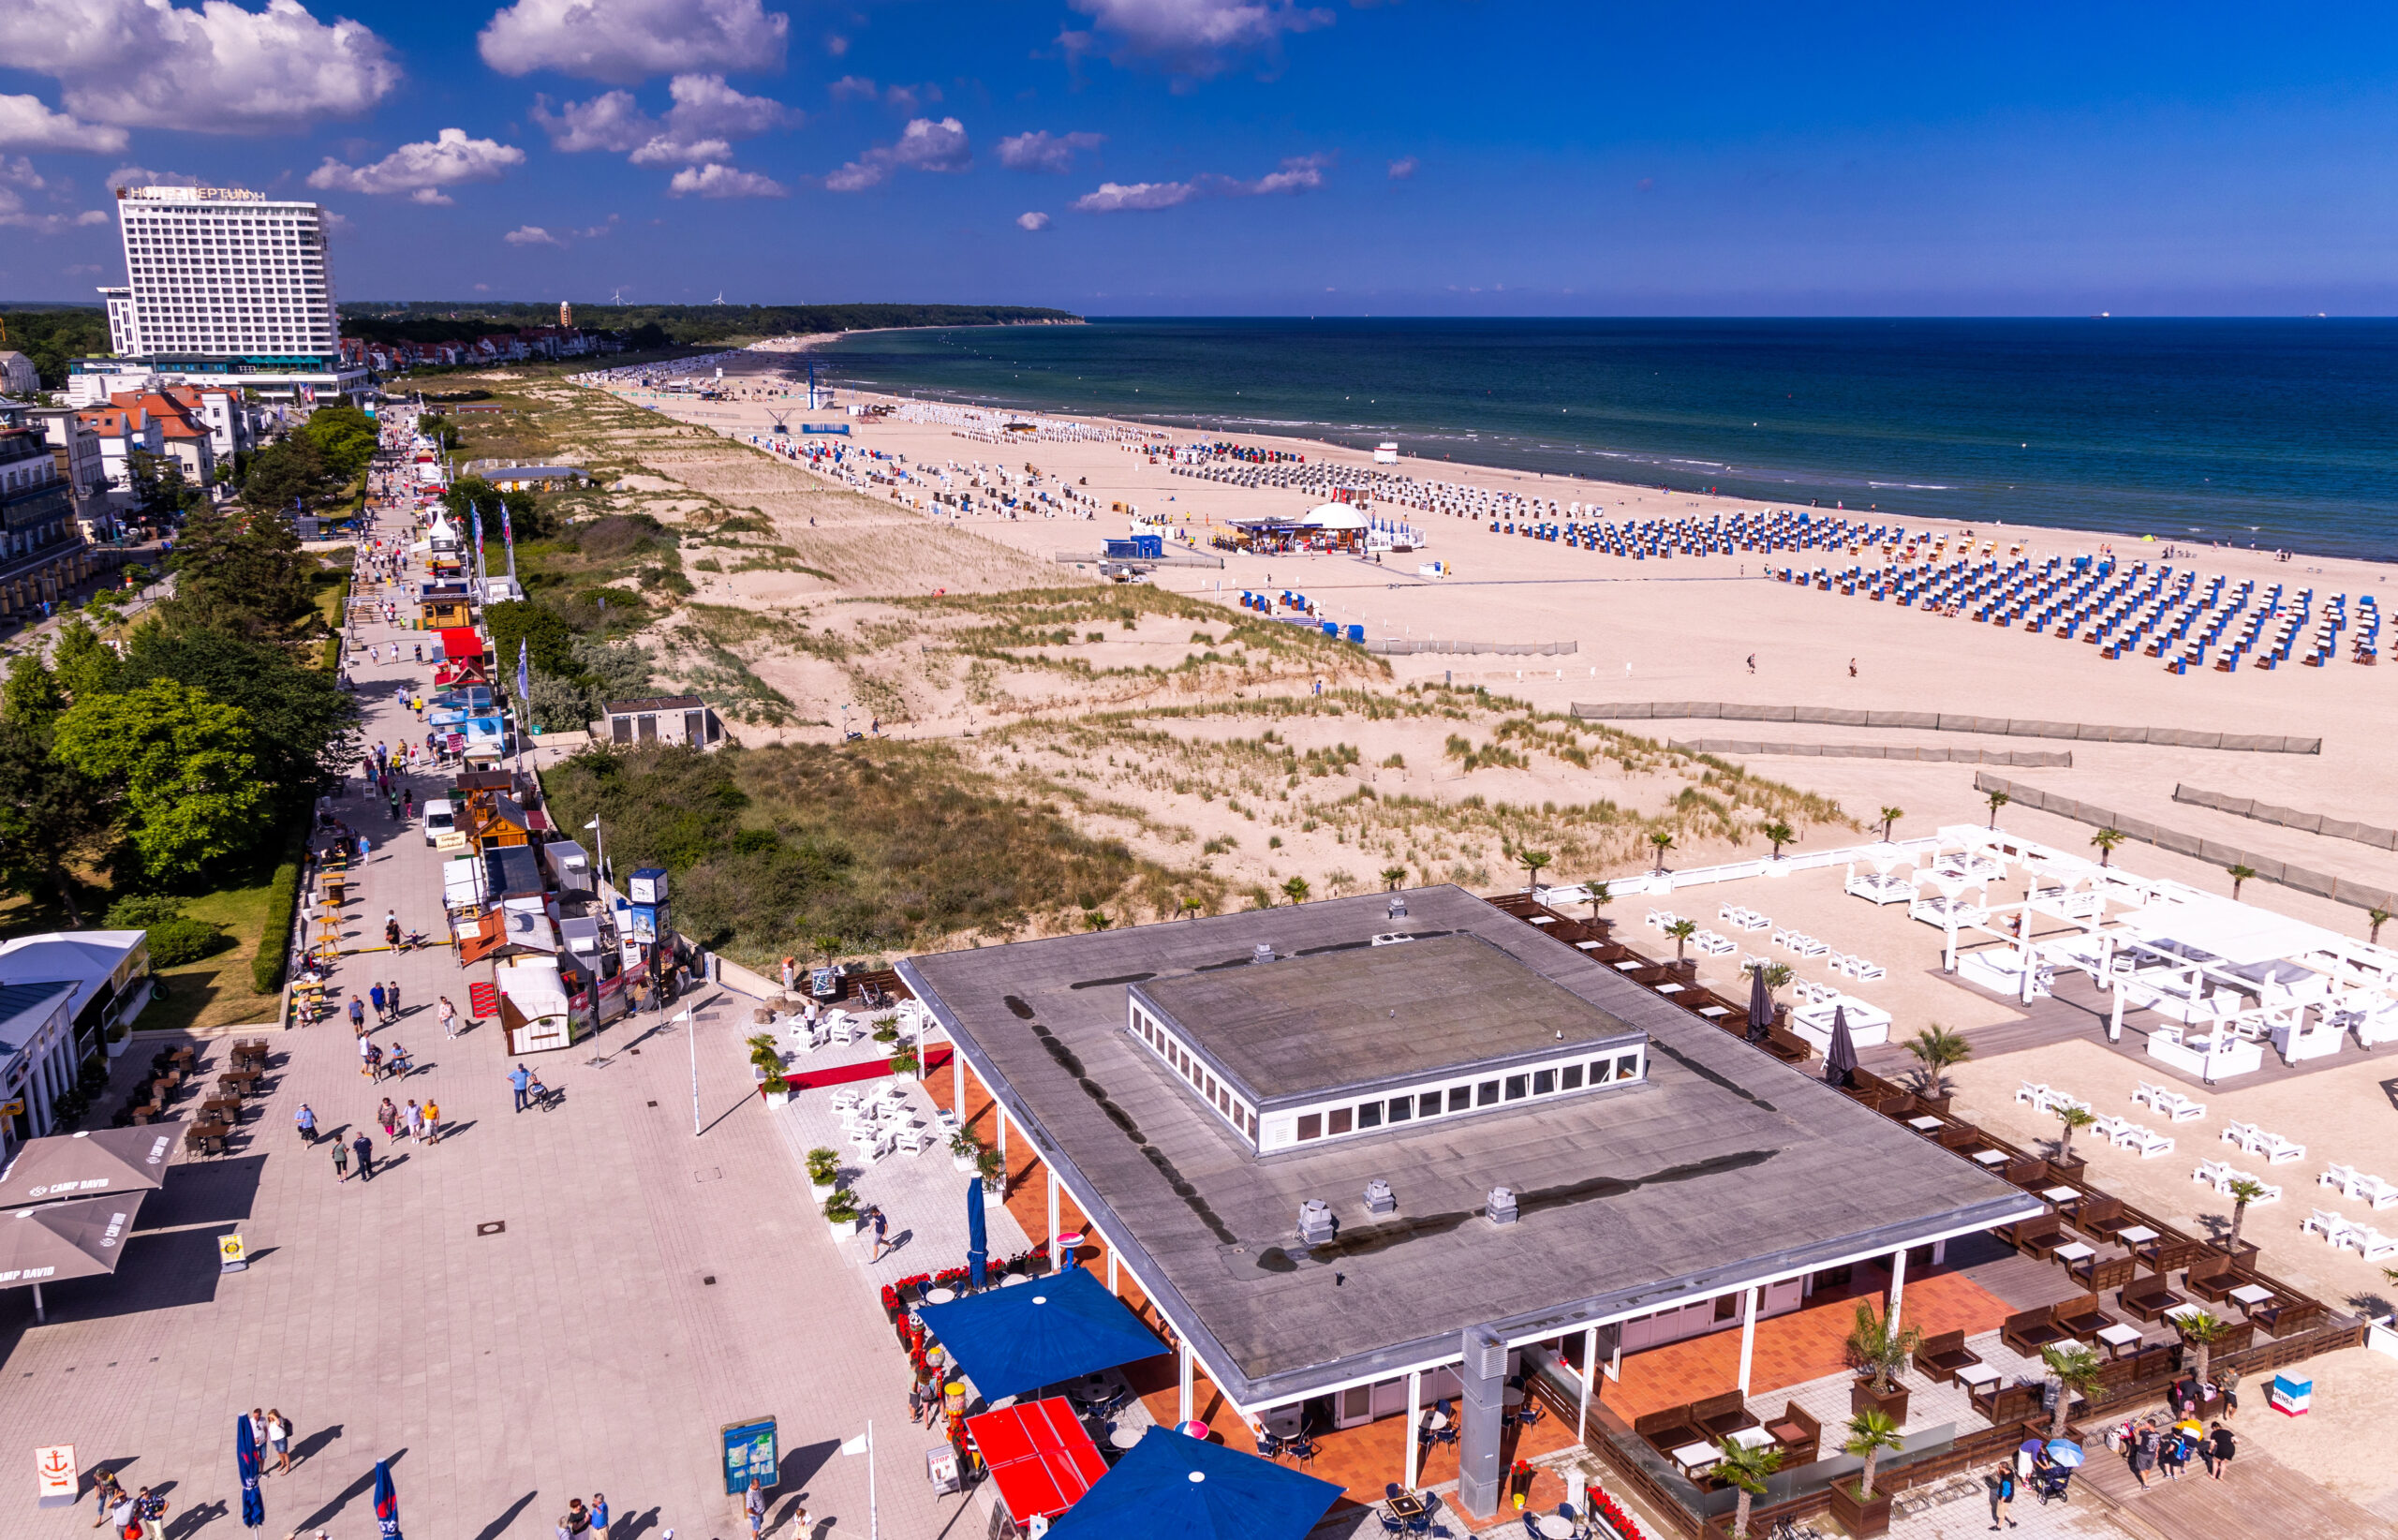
(215, 991)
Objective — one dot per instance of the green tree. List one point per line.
(1996, 801)
(2377, 918)
(2201, 1330)
(2105, 840)
(344, 435)
(292, 472)
(1890, 817)
(1937, 1050)
(2073, 1118)
(2243, 1191)
(84, 665)
(1393, 877)
(558, 705)
(1681, 931)
(2075, 1369)
(180, 767)
(1532, 861)
(1599, 895)
(1779, 834)
(550, 641)
(239, 571)
(2237, 876)
(31, 698)
(1744, 1467)
(1296, 890)
(306, 727)
(161, 491)
(1663, 842)
(1879, 1349)
(1871, 1432)
(51, 818)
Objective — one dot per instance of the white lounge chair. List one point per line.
(2213, 1173)
(2336, 1176)
(2110, 1129)
(2147, 1093)
(1655, 921)
(2277, 1149)
(2243, 1134)
(2374, 1192)
(2332, 1227)
(2178, 1109)
(2036, 1092)
(2372, 1243)
(2146, 1141)
(1869, 972)
(1807, 946)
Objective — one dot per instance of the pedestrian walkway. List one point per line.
(545, 1305)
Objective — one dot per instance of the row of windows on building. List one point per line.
(1216, 1094)
(1465, 1096)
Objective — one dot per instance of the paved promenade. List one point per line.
(647, 1286)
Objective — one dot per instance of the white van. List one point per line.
(438, 817)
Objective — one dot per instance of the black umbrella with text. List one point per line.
(1840, 1058)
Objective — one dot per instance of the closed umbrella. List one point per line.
(246, 1459)
(1840, 1059)
(1760, 1006)
(978, 1244)
(386, 1503)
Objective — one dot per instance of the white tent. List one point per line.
(1334, 516)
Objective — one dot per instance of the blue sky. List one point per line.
(1243, 157)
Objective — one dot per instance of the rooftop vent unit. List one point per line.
(1502, 1207)
(1262, 953)
(1379, 1199)
(1316, 1226)
(1399, 905)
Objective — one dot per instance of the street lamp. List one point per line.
(600, 854)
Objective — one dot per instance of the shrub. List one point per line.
(182, 940)
(141, 910)
(275, 937)
(824, 1166)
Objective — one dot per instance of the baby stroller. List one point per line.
(2049, 1481)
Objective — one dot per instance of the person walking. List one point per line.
(357, 1017)
(374, 1060)
(341, 1162)
(278, 1438)
(105, 1494)
(125, 1516)
(578, 1518)
(415, 1122)
(151, 1508)
(368, 1053)
(387, 1115)
(448, 1018)
(307, 1120)
(2144, 1453)
(432, 1122)
(391, 993)
(390, 929)
(381, 1010)
(599, 1515)
(518, 1079)
(2219, 1450)
(882, 1226)
(2002, 1498)
(365, 1149)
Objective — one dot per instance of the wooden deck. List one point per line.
(2079, 1012)
(2258, 1496)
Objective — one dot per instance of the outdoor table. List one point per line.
(1122, 1437)
(2183, 1313)
(1669, 988)
(1556, 1526)
(2249, 1296)
(1407, 1505)
(1710, 1013)
(1439, 1423)
(1696, 1458)
(1193, 1428)
(1991, 1157)
(2060, 1194)
(1751, 1438)
(2073, 1251)
(2118, 1338)
(1974, 1376)
(1924, 1125)
(1628, 966)
(940, 1297)
(1514, 1397)
(2138, 1235)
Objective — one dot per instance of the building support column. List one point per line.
(1415, 1434)
(1006, 1179)
(1111, 1266)
(957, 1082)
(2115, 1015)
(1748, 1337)
(1898, 1283)
(1482, 1410)
(1049, 1169)
(1615, 1356)
(1182, 1358)
(1589, 1377)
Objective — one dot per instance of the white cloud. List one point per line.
(666, 150)
(923, 145)
(26, 124)
(1404, 168)
(610, 121)
(142, 176)
(19, 172)
(853, 88)
(219, 69)
(531, 235)
(626, 41)
(424, 169)
(1191, 36)
(1035, 221)
(704, 105)
(912, 99)
(1041, 151)
(1299, 173)
(716, 180)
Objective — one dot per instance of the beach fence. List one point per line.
(2267, 870)
(1940, 721)
(1400, 648)
(2289, 818)
(2020, 759)
(1674, 880)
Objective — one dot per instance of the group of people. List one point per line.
(2167, 1448)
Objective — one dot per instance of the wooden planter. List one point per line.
(1861, 1520)
(2067, 1168)
(1863, 1397)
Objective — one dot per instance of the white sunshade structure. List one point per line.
(1334, 516)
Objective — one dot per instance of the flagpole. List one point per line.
(873, 1513)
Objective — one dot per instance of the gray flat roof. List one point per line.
(1370, 1014)
(1723, 1166)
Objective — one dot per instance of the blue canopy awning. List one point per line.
(1039, 1332)
(1173, 1486)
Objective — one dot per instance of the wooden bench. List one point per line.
(1798, 1435)
(1941, 1356)
(2148, 1299)
(2036, 1237)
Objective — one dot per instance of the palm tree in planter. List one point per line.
(1870, 1434)
(2075, 1369)
(1532, 861)
(2074, 1119)
(1890, 817)
(965, 1151)
(1663, 842)
(1681, 931)
(2243, 1192)
(823, 1174)
(1778, 833)
(886, 1029)
(2106, 840)
(2237, 876)
(993, 1171)
(842, 1213)
(1937, 1050)
(2203, 1330)
(778, 1089)
(905, 1065)
(1599, 895)
(1744, 1469)
(1879, 1352)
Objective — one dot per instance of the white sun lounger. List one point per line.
(2372, 1243)
(2277, 1149)
(2332, 1227)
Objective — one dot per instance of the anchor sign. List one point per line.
(60, 1477)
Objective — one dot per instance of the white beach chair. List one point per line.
(2243, 1134)
(1728, 913)
(1807, 946)
(846, 1100)
(2146, 1142)
(2372, 1243)
(2332, 1227)
(2336, 1176)
(2178, 1109)
(1780, 937)
(2059, 1101)
(2147, 1093)
(2373, 1192)
(2213, 1173)
(1868, 972)
(2036, 1092)
(2110, 1129)
(2271, 1194)
(1655, 921)
(915, 1141)
(2277, 1149)
(1758, 921)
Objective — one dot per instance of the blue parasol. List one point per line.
(386, 1503)
(978, 1243)
(245, 1459)
(2065, 1453)
(1168, 1488)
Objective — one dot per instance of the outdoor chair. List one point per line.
(2080, 1317)
(2095, 1273)
(1721, 1416)
(2148, 1093)
(1797, 1433)
(2373, 1192)
(2337, 1175)
(2287, 1316)
(2099, 1216)
(2036, 1237)
(2332, 1227)
(2035, 1092)
(1941, 1356)
(2370, 1242)
(2148, 1299)
(2146, 1142)
(2029, 1173)
(2214, 1174)
(1665, 1429)
(2243, 1134)
(2179, 1108)
(2277, 1149)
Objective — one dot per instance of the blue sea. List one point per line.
(2278, 433)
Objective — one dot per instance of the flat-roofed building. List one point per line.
(1360, 1171)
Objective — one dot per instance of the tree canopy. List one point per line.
(239, 572)
(181, 765)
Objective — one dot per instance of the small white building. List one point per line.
(18, 375)
(36, 1057)
(663, 719)
(109, 969)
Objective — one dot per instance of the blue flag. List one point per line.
(246, 1459)
(524, 681)
(507, 529)
(387, 1503)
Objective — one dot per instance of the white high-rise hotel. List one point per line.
(226, 284)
